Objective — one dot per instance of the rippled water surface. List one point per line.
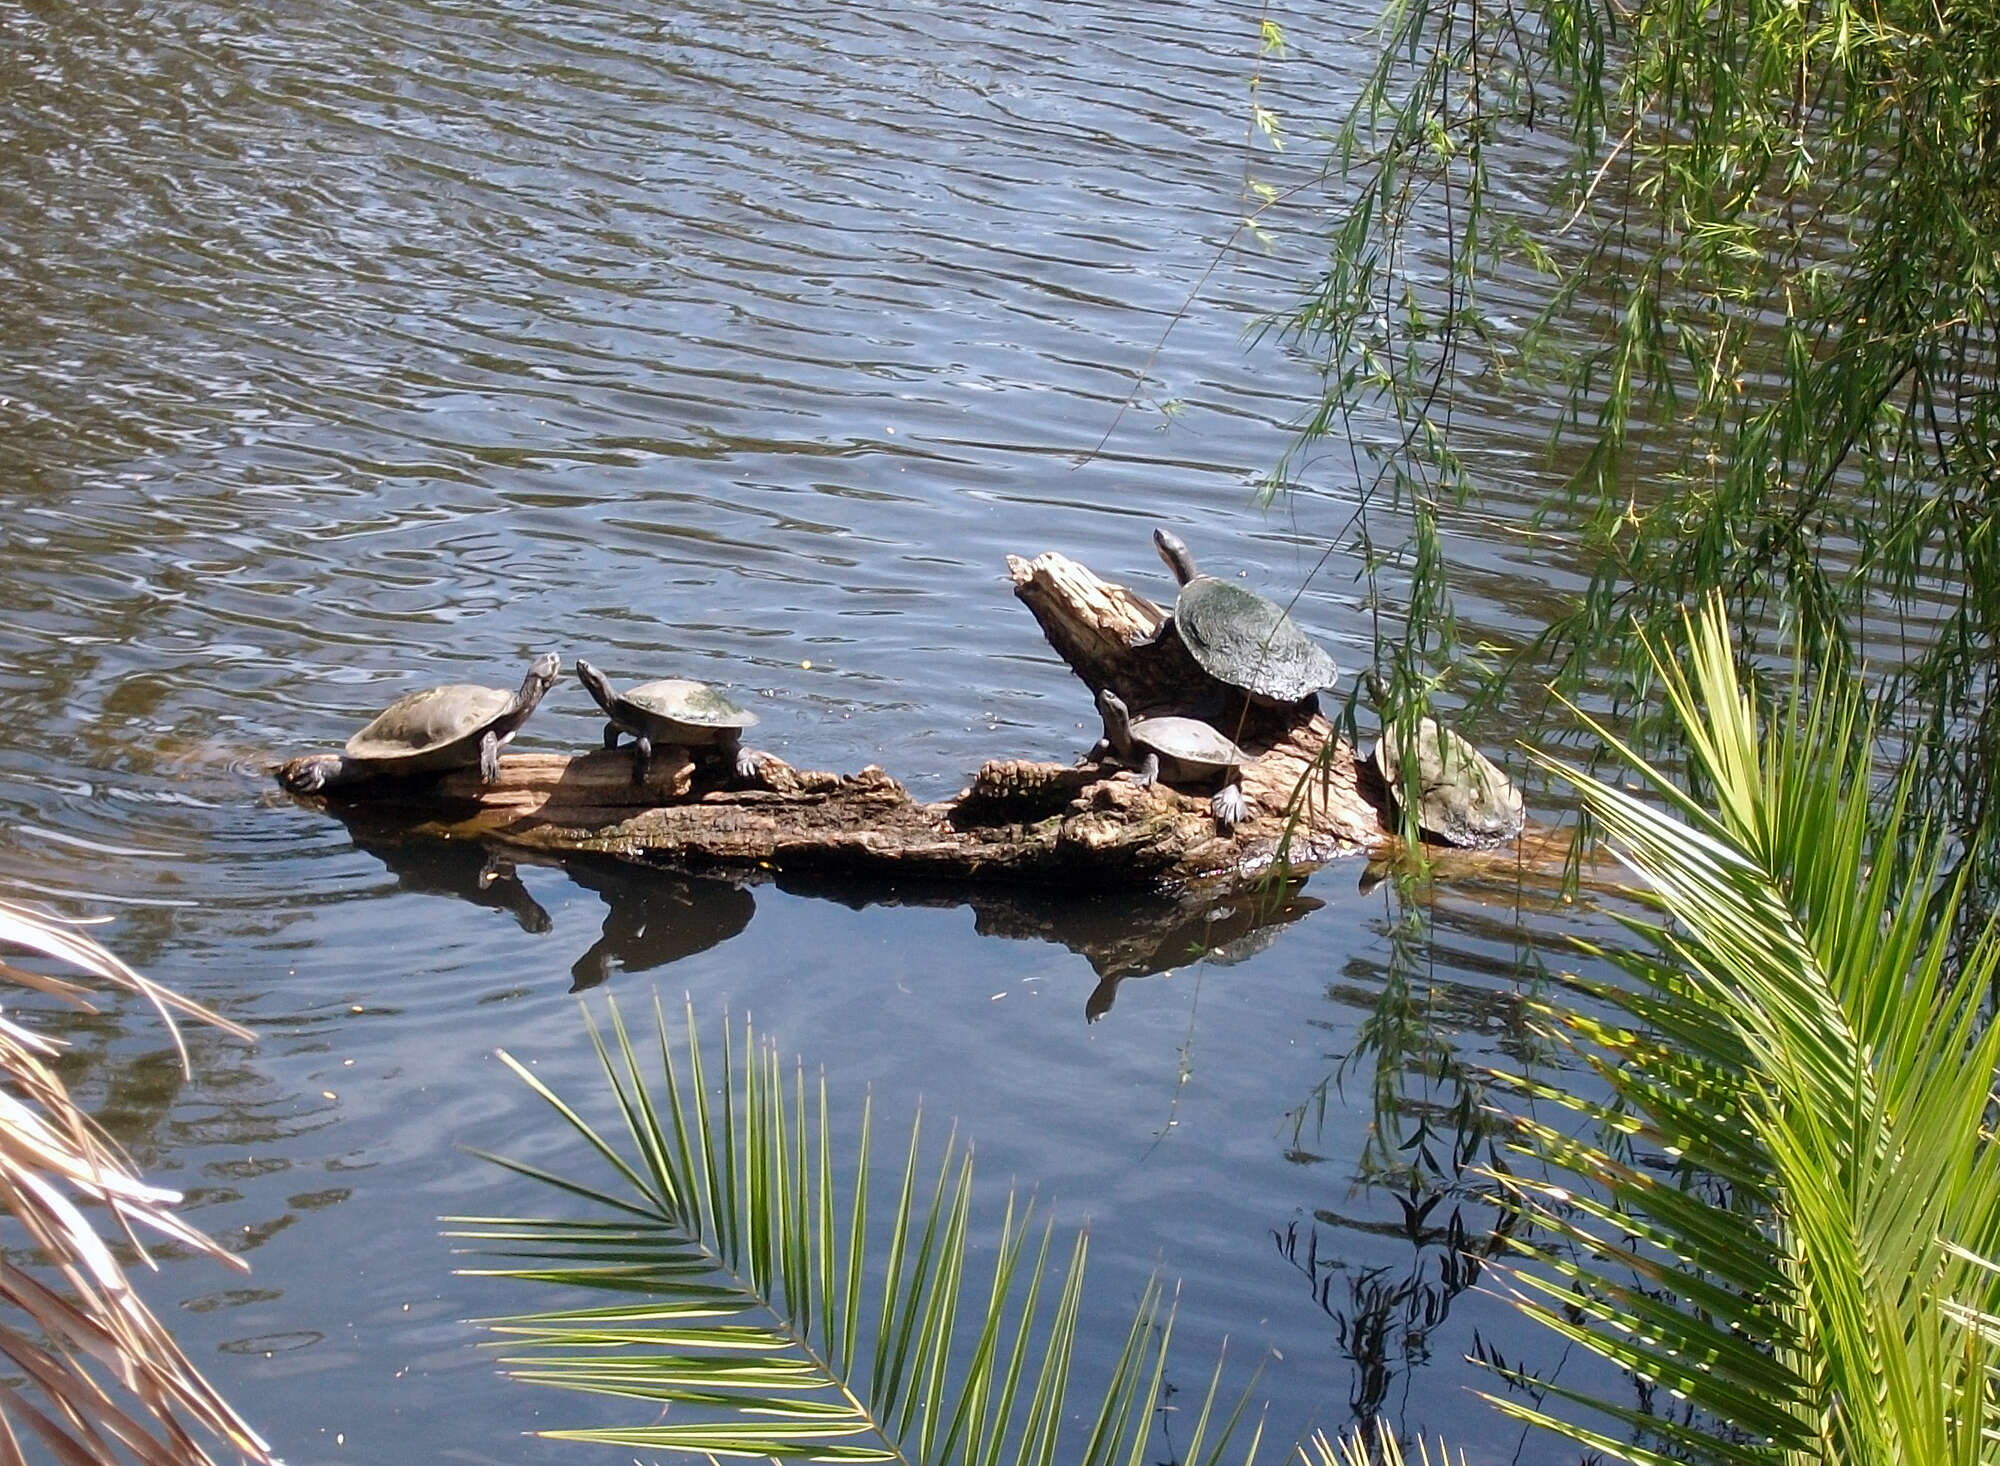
(346, 349)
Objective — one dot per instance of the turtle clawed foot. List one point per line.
(1230, 808)
(310, 774)
(748, 766)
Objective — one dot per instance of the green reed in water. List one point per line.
(1786, 1228)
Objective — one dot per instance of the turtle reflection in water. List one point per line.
(458, 726)
(1241, 639)
(1176, 750)
(675, 710)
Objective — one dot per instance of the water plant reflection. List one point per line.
(1429, 1144)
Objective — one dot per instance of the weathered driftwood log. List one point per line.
(1016, 820)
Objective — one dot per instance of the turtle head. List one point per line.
(595, 683)
(542, 674)
(1117, 719)
(1173, 549)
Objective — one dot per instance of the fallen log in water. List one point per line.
(1016, 820)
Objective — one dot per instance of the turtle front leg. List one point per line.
(1147, 772)
(314, 772)
(611, 732)
(748, 765)
(642, 757)
(1230, 806)
(489, 758)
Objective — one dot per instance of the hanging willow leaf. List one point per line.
(753, 1313)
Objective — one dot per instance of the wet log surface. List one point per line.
(1016, 821)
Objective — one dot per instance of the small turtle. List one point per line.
(1240, 638)
(459, 726)
(1463, 799)
(674, 710)
(1178, 750)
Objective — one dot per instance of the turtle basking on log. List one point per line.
(1285, 790)
(1461, 797)
(674, 710)
(1175, 751)
(1241, 639)
(458, 726)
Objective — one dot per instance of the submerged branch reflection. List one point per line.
(1420, 1183)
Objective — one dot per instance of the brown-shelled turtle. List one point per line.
(458, 726)
(674, 710)
(1462, 797)
(1240, 638)
(1176, 750)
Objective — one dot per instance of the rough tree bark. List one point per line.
(1016, 820)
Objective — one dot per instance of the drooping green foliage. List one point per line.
(1749, 253)
(1791, 1227)
(774, 1314)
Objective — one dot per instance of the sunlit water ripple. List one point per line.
(347, 348)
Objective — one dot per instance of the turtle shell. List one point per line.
(1464, 798)
(681, 700)
(1247, 641)
(429, 722)
(1188, 741)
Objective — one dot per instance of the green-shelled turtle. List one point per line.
(1177, 750)
(1240, 638)
(674, 710)
(458, 726)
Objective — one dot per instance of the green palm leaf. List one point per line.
(748, 1308)
(1788, 1216)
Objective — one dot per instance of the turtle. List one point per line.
(457, 726)
(1464, 799)
(1178, 750)
(1240, 638)
(674, 710)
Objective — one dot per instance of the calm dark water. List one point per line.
(349, 348)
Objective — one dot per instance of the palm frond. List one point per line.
(88, 1320)
(752, 1313)
(1801, 1197)
(1373, 1444)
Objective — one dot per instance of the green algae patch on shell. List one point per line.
(1463, 798)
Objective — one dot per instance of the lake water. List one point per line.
(346, 349)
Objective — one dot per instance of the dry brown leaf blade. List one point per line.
(53, 1156)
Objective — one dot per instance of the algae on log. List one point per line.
(1017, 820)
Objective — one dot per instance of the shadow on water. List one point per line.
(655, 916)
(465, 869)
(652, 916)
(1120, 936)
